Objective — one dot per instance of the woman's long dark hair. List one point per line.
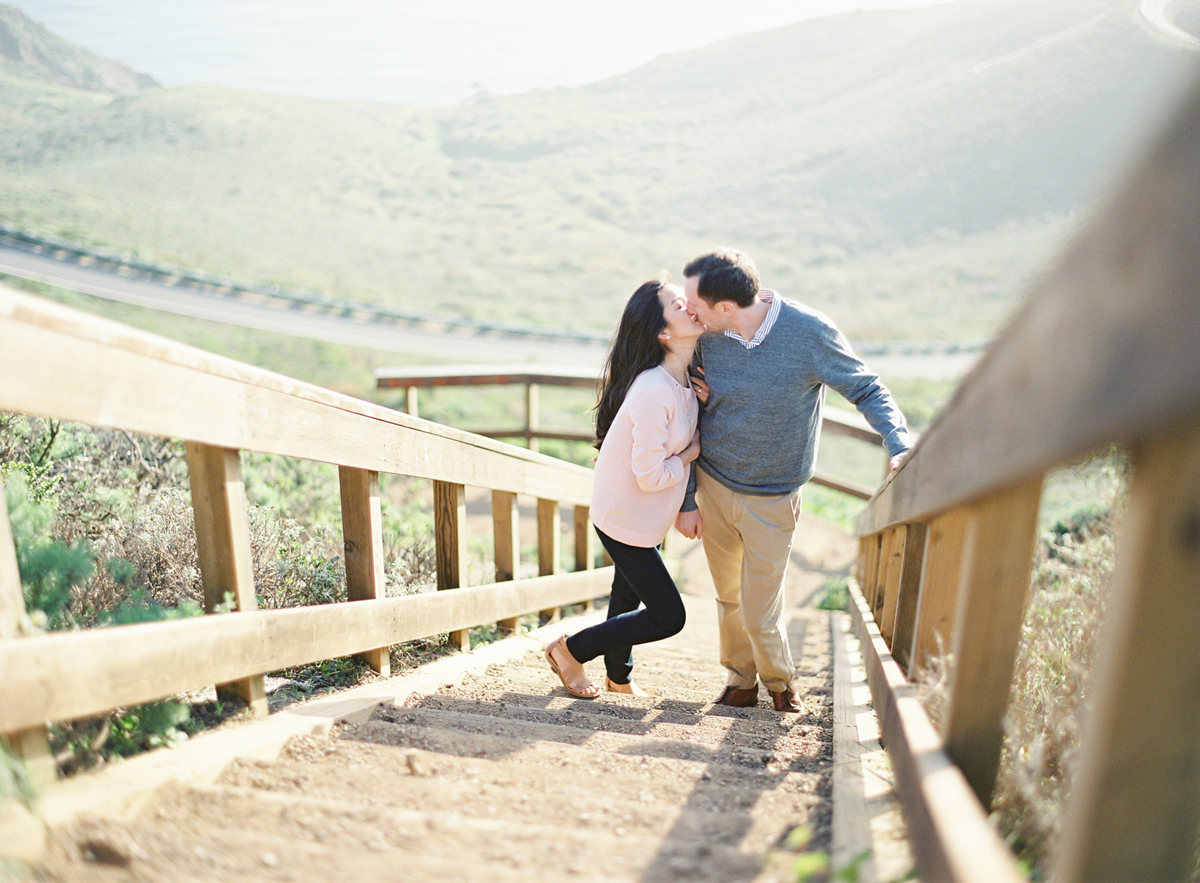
(635, 348)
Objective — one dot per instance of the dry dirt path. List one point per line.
(504, 776)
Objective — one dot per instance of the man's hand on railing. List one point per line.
(690, 524)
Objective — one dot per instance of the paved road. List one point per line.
(459, 345)
(464, 345)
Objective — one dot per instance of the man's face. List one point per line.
(710, 317)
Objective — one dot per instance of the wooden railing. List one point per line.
(62, 364)
(1105, 351)
(838, 422)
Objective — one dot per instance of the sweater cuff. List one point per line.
(898, 441)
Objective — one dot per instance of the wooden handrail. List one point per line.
(834, 420)
(63, 364)
(1105, 351)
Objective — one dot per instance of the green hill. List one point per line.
(906, 171)
(28, 49)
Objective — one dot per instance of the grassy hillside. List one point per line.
(905, 171)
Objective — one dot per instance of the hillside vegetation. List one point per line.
(906, 171)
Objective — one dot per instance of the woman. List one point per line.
(646, 432)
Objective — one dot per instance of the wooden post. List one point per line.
(506, 519)
(223, 543)
(890, 569)
(994, 582)
(909, 594)
(549, 524)
(585, 558)
(532, 417)
(411, 401)
(879, 569)
(32, 745)
(871, 548)
(939, 588)
(1135, 805)
(362, 536)
(450, 528)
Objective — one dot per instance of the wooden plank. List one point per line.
(506, 519)
(12, 598)
(890, 571)
(993, 585)
(237, 406)
(532, 414)
(939, 588)
(880, 573)
(362, 540)
(128, 665)
(585, 558)
(851, 823)
(486, 375)
(846, 485)
(909, 594)
(948, 830)
(1125, 294)
(450, 529)
(223, 544)
(851, 424)
(549, 544)
(867, 577)
(1135, 804)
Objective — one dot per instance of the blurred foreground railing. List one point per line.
(1106, 351)
(532, 377)
(62, 364)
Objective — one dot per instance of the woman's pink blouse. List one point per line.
(640, 480)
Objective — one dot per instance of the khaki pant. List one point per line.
(747, 541)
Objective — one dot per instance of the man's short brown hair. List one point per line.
(724, 274)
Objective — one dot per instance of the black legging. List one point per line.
(641, 577)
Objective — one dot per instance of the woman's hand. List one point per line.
(701, 388)
(692, 451)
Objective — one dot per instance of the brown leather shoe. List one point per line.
(736, 697)
(786, 701)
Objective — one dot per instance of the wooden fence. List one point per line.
(62, 364)
(532, 377)
(1105, 351)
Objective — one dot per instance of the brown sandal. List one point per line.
(630, 689)
(579, 684)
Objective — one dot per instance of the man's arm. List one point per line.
(843, 371)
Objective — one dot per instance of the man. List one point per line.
(764, 363)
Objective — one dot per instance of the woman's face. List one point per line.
(681, 324)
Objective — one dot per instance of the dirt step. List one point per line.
(497, 681)
(658, 720)
(733, 806)
(749, 816)
(418, 726)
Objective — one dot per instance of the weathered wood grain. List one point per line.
(1135, 805)
(362, 541)
(127, 665)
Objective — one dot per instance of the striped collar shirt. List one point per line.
(767, 324)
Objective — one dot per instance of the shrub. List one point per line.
(50, 570)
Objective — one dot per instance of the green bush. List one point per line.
(50, 569)
(835, 594)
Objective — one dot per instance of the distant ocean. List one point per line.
(423, 52)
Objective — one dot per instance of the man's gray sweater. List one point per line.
(759, 429)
